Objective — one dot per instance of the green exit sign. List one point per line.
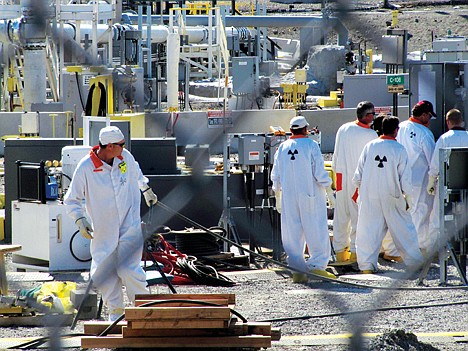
(395, 79)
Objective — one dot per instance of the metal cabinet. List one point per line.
(49, 238)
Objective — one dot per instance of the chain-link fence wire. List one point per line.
(193, 191)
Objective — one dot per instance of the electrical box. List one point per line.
(251, 150)
(245, 75)
(300, 75)
(392, 49)
(30, 123)
(156, 155)
(450, 44)
(49, 238)
(197, 155)
(272, 143)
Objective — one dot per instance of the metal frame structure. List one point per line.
(453, 200)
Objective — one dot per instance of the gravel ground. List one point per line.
(424, 20)
(267, 296)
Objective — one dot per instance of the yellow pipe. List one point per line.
(394, 18)
(369, 66)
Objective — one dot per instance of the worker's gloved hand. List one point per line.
(431, 185)
(331, 197)
(409, 203)
(278, 200)
(84, 227)
(150, 197)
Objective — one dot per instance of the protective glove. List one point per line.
(408, 202)
(84, 227)
(331, 197)
(431, 185)
(150, 197)
(278, 200)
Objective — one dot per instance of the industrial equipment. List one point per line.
(71, 155)
(49, 238)
(453, 214)
(443, 84)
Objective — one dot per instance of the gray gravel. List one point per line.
(267, 295)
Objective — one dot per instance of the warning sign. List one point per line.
(219, 118)
(396, 88)
(254, 155)
(383, 110)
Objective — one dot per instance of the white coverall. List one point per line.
(298, 171)
(457, 137)
(419, 143)
(112, 198)
(350, 140)
(383, 175)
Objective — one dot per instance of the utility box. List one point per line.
(392, 49)
(251, 150)
(30, 123)
(374, 87)
(197, 155)
(156, 155)
(450, 44)
(273, 142)
(245, 75)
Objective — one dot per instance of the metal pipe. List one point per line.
(251, 21)
(265, 21)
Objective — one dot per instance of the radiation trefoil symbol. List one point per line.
(381, 161)
(293, 157)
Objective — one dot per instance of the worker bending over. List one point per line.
(457, 136)
(108, 181)
(419, 143)
(383, 177)
(299, 175)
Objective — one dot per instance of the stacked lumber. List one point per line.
(165, 321)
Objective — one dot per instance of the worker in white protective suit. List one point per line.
(388, 251)
(299, 175)
(457, 136)
(108, 181)
(419, 143)
(383, 177)
(350, 140)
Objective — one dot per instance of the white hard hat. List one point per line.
(298, 122)
(110, 134)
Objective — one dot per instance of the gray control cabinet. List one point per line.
(251, 150)
(245, 75)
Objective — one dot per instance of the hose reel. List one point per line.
(197, 242)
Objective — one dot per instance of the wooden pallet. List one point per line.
(173, 324)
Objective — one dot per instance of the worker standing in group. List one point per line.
(419, 143)
(383, 176)
(300, 183)
(350, 140)
(457, 136)
(108, 181)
